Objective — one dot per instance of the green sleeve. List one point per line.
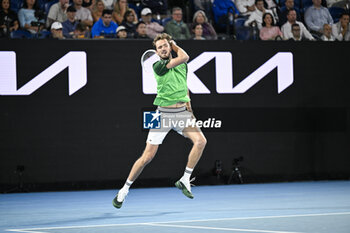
(160, 67)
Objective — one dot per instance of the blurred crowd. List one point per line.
(297, 20)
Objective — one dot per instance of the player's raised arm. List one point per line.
(182, 56)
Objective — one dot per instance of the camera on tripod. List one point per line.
(237, 160)
(235, 170)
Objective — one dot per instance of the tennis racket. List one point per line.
(148, 58)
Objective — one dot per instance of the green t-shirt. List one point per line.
(171, 83)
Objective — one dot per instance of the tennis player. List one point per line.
(174, 104)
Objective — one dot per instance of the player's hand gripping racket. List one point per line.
(148, 58)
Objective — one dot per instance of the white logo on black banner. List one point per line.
(283, 61)
(77, 73)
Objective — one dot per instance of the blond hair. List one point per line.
(162, 36)
(94, 7)
(117, 9)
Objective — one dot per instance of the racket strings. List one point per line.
(147, 65)
(148, 55)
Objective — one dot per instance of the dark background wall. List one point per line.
(91, 139)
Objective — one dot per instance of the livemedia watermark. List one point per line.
(250, 119)
(158, 120)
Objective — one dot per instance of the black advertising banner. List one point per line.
(73, 111)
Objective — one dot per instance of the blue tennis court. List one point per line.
(307, 207)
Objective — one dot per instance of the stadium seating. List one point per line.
(242, 32)
(336, 12)
(16, 5)
(21, 34)
(165, 20)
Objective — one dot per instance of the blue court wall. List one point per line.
(91, 138)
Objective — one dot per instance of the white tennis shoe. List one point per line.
(185, 186)
(119, 199)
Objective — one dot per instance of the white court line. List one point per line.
(217, 228)
(28, 231)
(33, 230)
(258, 217)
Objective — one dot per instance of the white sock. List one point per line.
(187, 173)
(127, 184)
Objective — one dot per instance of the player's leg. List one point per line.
(154, 139)
(146, 157)
(199, 141)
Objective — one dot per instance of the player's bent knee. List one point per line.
(200, 142)
(149, 154)
(147, 158)
(151, 151)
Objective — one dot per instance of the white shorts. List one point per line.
(170, 120)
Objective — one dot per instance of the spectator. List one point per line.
(327, 33)
(119, 10)
(337, 3)
(104, 27)
(296, 33)
(208, 31)
(257, 15)
(176, 27)
(269, 31)
(8, 19)
(225, 12)
(288, 5)
(83, 14)
(158, 7)
(56, 31)
(70, 24)
(316, 16)
(81, 31)
(57, 12)
(341, 30)
(109, 4)
(129, 24)
(273, 6)
(245, 7)
(27, 19)
(88, 4)
(141, 31)
(97, 10)
(287, 27)
(204, 5)
(183, 4)
(197, 30)
(121, 32)
(152, 28)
